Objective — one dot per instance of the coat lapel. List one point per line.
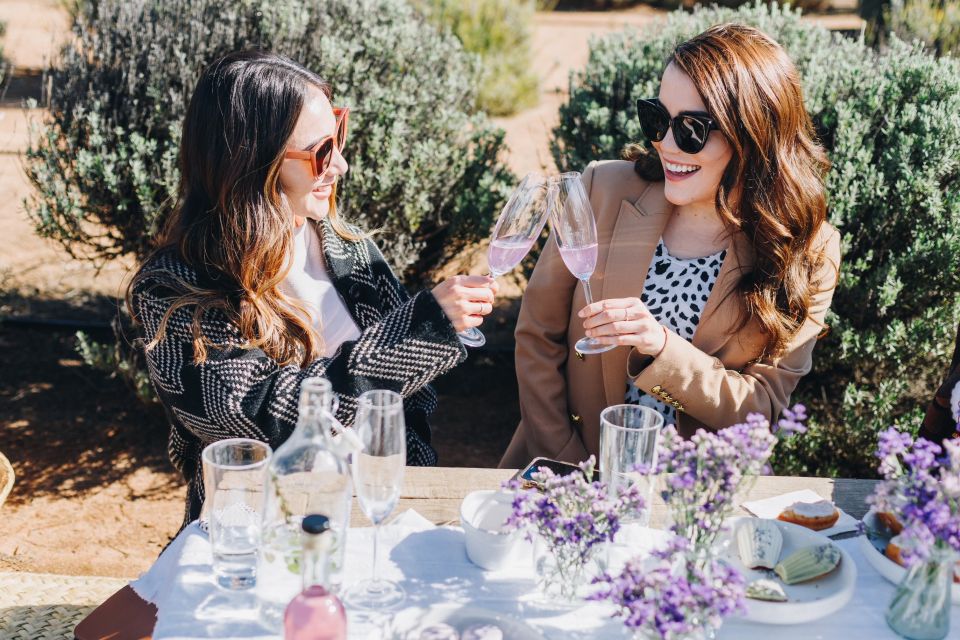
(349, 267)
(723, 306)
(632, 243)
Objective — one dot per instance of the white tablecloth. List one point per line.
(431, 564)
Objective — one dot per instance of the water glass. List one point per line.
(628, 439)
(234, 475)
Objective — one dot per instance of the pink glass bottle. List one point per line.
(315, 614)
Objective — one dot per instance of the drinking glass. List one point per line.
(377, 478)
(234, 475)
(628, 438)
(518, 227)
(576, 232)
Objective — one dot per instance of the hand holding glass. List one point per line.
(377, 477)
(518, 227)
(234, 475)
(576, 233)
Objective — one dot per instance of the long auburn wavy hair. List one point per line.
(231, 224)
(773, 188)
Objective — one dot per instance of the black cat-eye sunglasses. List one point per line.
(690, 128)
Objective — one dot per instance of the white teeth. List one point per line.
(681, 168)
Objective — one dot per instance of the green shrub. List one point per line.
(890, 122)
(424, 162)
(935, 23)
(499, 32)
(805, 5)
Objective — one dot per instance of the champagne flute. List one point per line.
(377, 477)
(576, 233)
(518, 227)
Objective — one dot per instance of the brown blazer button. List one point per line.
(575, 417)
(579, 356)
(675, 405)
(656, 389)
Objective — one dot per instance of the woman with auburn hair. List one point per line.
(258, 284)
(716, 264)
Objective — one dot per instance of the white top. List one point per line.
(955, 402)
(309, 282)
(675, 293)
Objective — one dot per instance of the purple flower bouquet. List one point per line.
(705, 473)
(571, 517)
(921, 488)
(672, 597)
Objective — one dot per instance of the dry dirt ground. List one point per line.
(95, 494)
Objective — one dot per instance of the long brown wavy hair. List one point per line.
(230, 224)
(773, 188)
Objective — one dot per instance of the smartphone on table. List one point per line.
(559, 467)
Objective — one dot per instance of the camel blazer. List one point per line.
(713, 381)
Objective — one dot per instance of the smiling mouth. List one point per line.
(324, 187)
(678, 171)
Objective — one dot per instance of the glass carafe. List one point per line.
(309, 473)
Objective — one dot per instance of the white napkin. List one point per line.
(151, 583)
(772, 507)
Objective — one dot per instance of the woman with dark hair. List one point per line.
(716, 264)
(258, 284)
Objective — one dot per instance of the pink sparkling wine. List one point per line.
(506, 253)
(581, 261)
(315, 614)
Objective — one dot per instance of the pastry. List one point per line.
(482, 632)
(439, 631)
(812, 515)
(768, 590)
(894, 550)
(808, 563)
(759, 542)
(890, 521)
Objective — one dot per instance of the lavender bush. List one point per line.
(572, 516)
(671, 595)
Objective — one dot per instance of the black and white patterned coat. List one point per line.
(241, 392)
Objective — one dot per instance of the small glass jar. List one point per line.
(563, 573)
(920, 609)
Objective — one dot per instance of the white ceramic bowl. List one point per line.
(482, 516)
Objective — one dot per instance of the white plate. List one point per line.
(879, 560)
(807, 601)
(408, 624)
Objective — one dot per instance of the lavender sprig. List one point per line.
(921, 487)
(571, 514)
(672, 595)
(706, 472)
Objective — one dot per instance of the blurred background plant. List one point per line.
(889, 121)
(605, 5)
(935, 23)
(426, 167)
(425, 163)
(498, 31)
